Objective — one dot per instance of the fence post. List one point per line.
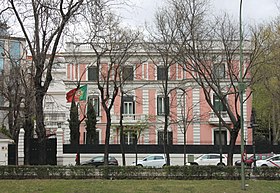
(59, 146)
(21, 147)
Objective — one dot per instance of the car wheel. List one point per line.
(164, 165)
(140, 165)
(220, 164)
(194, 164)
(264, 165)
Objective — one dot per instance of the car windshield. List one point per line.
(200, 156)
(98, 159)
(149, 158)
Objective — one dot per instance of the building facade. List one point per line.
(143, 101)
(12, 58)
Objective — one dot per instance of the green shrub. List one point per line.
(133, 172)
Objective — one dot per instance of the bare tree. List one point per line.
(186, 118)
(112, 46)
(17, 88)
(42, 24)
(160, 49)
(209, 51)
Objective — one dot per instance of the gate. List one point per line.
(12, 154)
(50, 151)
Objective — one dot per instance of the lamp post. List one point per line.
(220, 134)
(219, 112)
(241, 91)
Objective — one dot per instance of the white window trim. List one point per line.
(217, 129)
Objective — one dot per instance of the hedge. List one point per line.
(134, 172)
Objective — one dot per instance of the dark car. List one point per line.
(249, 161)
(99, 160)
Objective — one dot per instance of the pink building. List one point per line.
(143, 102)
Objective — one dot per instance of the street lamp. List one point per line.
(241, 91)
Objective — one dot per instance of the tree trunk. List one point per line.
(28, 128)
(40, 127)
(233, 137)
(165, 134)
(121, 131)
(107, 138)
(274, 125)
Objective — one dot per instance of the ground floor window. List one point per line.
(130, 137)
(223, 137)
(87, 138)
(161, 137)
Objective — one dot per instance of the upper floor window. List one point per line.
(161, 137)
(218, 104)
(128, 105)
(15, 52)
(127, 73)
(2, 53)
(161, 105)
(219, 70)
(93, 74)
(1, 100)
(161, 73)
(95, 102)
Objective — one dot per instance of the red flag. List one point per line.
(80, 94)
(70, 95)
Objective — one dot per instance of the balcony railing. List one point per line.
(128, 118)
(214, 119)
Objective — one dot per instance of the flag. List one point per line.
(80, 94)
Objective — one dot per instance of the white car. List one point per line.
(273, 161)
(157, 161)
(209, 159)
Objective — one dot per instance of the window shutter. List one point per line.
(158, 106)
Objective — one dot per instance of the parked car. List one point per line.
(157, 161)
(99, 160)
(209, 159)
(249, 161)
(273, 161)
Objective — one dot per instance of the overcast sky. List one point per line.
(253, 10)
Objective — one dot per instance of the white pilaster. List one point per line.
(196, 114)
(59, 146)
(21, 147)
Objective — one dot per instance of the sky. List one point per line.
(254, 11)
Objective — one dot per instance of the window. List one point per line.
(159, 157)
(161, 73)
(1, 100)
(95, 102)
(96, 138)
(219, 70)
(276, 158)
(93, 73)
(161, 137)
(127, 73)
(161, 104)
(223, 137)
(130, 137)
(2, 53)
(214, 157)
(217, 104)
(15, 52)
(128, 105)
